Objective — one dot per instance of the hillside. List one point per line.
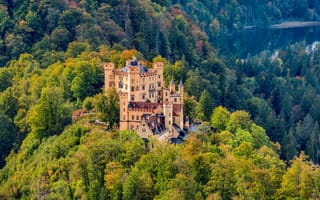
(52, 52)
(85, 162)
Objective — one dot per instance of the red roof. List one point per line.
(176, 109)
(144, 105)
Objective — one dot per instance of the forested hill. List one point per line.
(43, 27)
(85, 162)
(51, 53)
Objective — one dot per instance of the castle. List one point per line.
(146, 106)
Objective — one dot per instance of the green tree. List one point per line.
(108, 107)
(76, 48)
(138, 185)
(298, 181)
(51, 114)
(61, 37)
(290, 145)
(195, 83)
(7, 137)
(189, 106)
(5, 78)
(9, 102)
(220, 118)
(239, 119)
(87, 104)
(86, 78)
(114, 176)
(223, 180)
(205, 106)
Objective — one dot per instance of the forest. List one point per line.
(260, 133)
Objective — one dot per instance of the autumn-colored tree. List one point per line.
(299, 181)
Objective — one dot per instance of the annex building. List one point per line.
(146, 106)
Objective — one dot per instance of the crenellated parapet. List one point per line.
(108, 66)
(148, 74)
(120, 73)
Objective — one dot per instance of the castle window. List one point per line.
(132, 88)
(120, 85)
(159, 84)
(175, 99)
(159, 93)
(159, 76)
(169, 114)
(137, 117)
(169, 122)
(143, 87)
(166, 93)
(132, 117)
(143, 96)
(132, 98)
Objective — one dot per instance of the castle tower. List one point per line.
(124, 118)
(181, 87)
(133, 76)
(181, 91)
(159, 67)
(172, 86)
(168, 113)
(109, 79)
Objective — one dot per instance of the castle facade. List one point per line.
(146, 106)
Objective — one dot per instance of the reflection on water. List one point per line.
(253, 41)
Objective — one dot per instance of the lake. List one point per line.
(253, 40)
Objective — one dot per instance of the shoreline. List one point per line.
(294, 24)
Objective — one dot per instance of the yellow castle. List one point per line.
(146, 106)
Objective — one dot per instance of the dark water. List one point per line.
(253, 41)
